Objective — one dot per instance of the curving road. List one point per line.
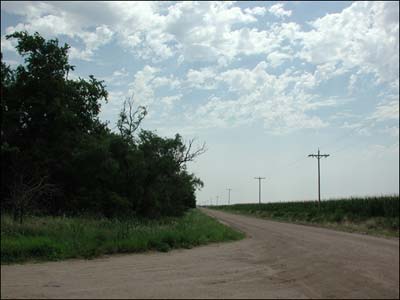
(276, 260)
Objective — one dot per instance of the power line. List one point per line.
(259, 188)
(368, 123)
(342, 148)
(295, 162)
(340, 138)
(318, 157)
(350, 133)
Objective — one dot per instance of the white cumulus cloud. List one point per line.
(279, 11)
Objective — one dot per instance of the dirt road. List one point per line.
(277, 260)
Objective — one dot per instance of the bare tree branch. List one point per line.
(189, 155)
(130, 119)
(27, 189)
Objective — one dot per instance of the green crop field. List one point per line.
(54, 238)
(372, 215)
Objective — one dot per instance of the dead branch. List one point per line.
(190, 155)
(27, 189)
(129, 118)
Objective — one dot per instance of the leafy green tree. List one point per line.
(59, 158)
(168, 188)
(44, 113)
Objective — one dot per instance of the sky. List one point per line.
(263, 84)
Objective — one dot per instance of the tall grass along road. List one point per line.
(55, 238)
(276, 260)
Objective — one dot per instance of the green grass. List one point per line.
(371, 215)
(55, 238)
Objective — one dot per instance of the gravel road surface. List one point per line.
(276, 260)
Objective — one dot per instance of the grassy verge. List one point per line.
(55, 238)
(373, 215)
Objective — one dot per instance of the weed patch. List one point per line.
(54, 238)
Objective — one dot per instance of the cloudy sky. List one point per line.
(264, 84)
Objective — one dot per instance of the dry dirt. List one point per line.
(276, 260)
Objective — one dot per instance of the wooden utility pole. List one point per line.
(259, 188)
(318, 156)
(229, 195)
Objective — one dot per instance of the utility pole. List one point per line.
(318, 156)
(229, 195)
(217, 200)
(259, 188)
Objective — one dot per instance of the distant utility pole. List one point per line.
(259, 188)
(229, 195)
(217, 200)
(318, 156)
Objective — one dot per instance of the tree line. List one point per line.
(59, 158)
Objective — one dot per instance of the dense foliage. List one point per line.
(58, 157)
